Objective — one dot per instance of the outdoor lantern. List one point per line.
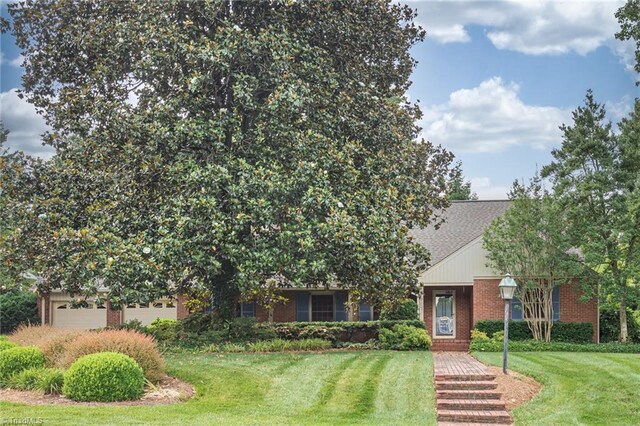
(507, 290)
(507, 287)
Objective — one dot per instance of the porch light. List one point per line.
(507, 289)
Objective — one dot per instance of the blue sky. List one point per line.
(495, 79)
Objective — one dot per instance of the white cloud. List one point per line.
(486, 191)
(531, 27)
(16, 62)
(24, 124)
(492, 118)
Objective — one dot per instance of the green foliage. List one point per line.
(132, 325)
(343, 331)
(242, 329)
(498, 336)
(530, 241)
(629, 19)
(233, 348)
(406, 309)
(17, 307)
(595, 178)
(610, 325)
(14, 360)
(271, 143)
(164, 330)
(404, 337)
(5, 344)
(457, 188)
(104, 377)
(569, 332)
(479, 335)
(47, 380)
(537, 346)
(281, 345)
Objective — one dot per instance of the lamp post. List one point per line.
(507, 290)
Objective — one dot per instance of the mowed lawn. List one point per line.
(578, 388)
(377, 387)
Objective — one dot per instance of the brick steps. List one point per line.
(467, 394)
(480, 416)
(465, 385)
(471, 404)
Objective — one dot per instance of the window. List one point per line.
(322, 307)
(365, 313)
(516, 306)
(247, 310)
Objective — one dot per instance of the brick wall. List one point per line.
(286, 312)
(114, 316)
(487, 304)
(463, 296)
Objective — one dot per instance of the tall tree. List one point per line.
(595, 178)
(225, 146)
(629, 18)
(531, 243)
(457, 187)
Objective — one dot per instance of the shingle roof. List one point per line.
(464, 222)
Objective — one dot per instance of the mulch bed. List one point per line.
(516, 388)
(170, 390)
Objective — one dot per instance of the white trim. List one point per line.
(435, 293)
(466, 284)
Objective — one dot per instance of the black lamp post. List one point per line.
(507, 290)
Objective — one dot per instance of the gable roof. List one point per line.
(465, 221)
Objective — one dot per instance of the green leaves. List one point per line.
(233, 139)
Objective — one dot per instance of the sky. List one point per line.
(495, 80)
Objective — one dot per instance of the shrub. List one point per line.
(498, 336)
(47, 380)
(404, 337)
(343, 331)
(15, 360)
(280, 345)
(132, 325)
(138, 346)
(242, 329)
(519, 330)
(479, 335)
(537, 346)
(52, 341)
(18, 307)
(164, 329)
(105, 377)
(610, 325)
(25, 379)
(5, 344)
(199, 322)
(407, 309)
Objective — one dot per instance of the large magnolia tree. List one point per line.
(225, 147)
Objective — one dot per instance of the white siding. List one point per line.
(148, 313)
(460, 267)
(63, 315)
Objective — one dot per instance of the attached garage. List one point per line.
(149, 312)
(86, 316)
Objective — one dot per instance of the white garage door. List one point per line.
(64, 315)
(147, 313)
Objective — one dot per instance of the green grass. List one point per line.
(578, 388)
(351, 388)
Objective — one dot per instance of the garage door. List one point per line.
(147, 313)
(65, 315)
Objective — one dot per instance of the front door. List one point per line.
(444, 321)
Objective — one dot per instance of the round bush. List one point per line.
(104, 377)
(15, 360)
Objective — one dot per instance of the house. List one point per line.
(456, 291)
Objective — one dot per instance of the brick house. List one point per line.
(455, 292)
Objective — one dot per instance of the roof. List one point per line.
(465, 221)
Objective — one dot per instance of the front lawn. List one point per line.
(376, 387)
(578, 388)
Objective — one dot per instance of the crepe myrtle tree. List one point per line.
(223, 147)
(531, 242)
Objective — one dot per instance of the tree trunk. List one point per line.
(624, 335)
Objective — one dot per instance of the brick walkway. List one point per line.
(466, 391)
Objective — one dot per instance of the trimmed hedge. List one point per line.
(104, 377)
(569, 332)
(403, 337)
(14, 360)
(18, 307)
(338, 331)
(536, 346)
